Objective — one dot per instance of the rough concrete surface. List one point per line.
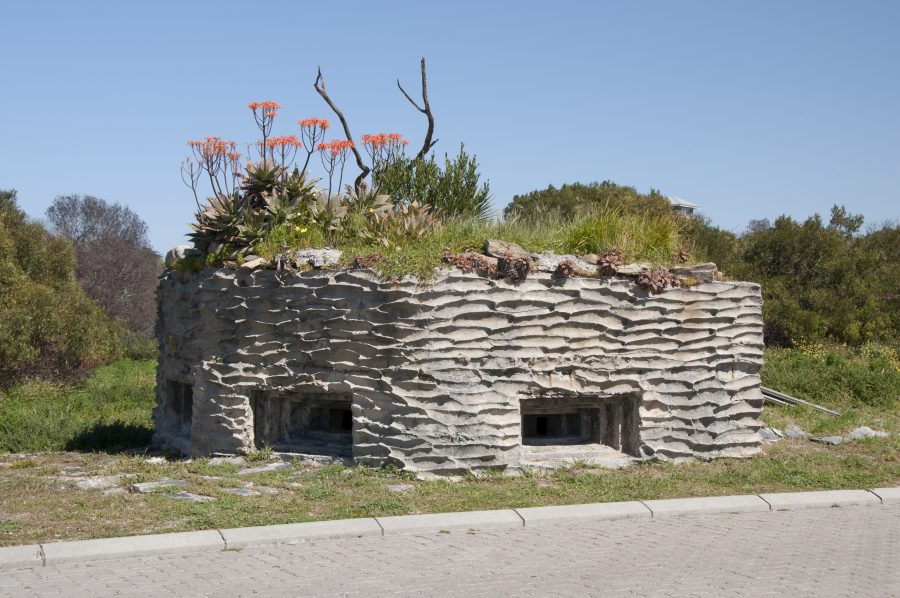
(438, 376)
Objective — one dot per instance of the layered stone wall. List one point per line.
(436, 375)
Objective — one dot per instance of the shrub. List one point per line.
(48, 326)
(454, 191)
(823, 282)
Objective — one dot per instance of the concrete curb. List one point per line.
(888, 496)
(827, 498)
(294, 533)
(600, 511)
(131, 546)
(707, 504)
(445, 522)
(20, 557)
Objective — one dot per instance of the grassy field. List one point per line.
(110, 413)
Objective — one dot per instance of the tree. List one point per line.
(114, 261)
(823, 282)
(48, 327)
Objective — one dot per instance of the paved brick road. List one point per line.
(851, 551)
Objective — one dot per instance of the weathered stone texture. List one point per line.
(436, 371)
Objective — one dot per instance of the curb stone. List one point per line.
(827, 498)
(130, 546)
(599, 511)
(888, 496)
(707, 504)
(439, 522)
(29, 556)
(294, 533)
(15, 557)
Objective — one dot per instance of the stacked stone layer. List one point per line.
(437, 370)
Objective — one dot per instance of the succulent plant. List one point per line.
(514, 267)
(655, 280)
(218, 222)
(609, 261)
(260, 181)
(565, 269)
(329, 212)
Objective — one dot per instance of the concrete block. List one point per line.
(707, 504)
(611, 510)
(20, 557)
(888, 496)
(827, 498)
(295, 533)
(439, 522)
(116, 548)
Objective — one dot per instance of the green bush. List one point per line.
(454, 191)
(823, 282)
(578, 200)
(48, 327)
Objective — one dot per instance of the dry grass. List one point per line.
(37, 505)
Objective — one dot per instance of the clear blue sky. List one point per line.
(750, 109)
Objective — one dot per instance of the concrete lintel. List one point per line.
(743, 503)
(131, 546)
(888, 496)
(20, 557)
(440, 522)
(826, 498)
(294, 533)
(597, 511)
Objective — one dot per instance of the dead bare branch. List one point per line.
(427, 144)
(319, 86)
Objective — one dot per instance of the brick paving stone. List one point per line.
(851, 551)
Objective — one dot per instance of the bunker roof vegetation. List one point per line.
(401, 215)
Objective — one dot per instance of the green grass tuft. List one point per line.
(109, 411)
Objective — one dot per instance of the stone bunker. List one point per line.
(459, 373)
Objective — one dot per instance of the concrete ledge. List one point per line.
(129, 546)
(707, 504)
(888, 496)
(20, 557)
(439, 522)
(295, 533)
(827, 498)
(598, 511)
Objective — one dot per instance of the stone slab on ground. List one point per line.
(832, 440)
(295, 533)
(445, 522)
(241, 491)
(707, 504)
(17, 557)
(145, 487)
(115, 548)
(599, 511)
(828, 498)
(99, 482)
(866, 432)
(888, 496)
(267, 468)
(190, 497)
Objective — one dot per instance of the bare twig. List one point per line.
(319, 86)
(425, 109)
